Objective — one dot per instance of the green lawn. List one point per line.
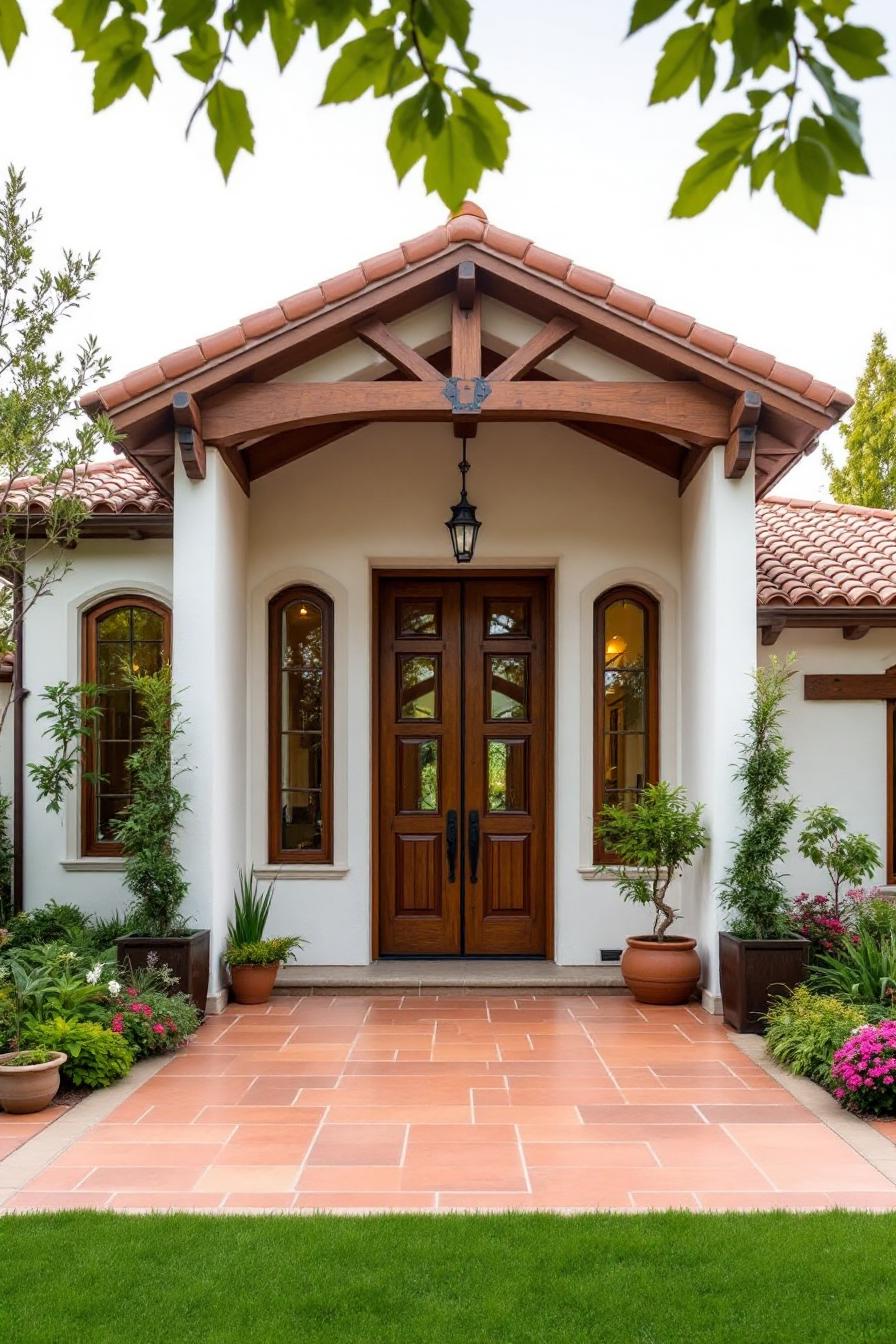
(497, 1279)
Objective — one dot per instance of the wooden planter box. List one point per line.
(187, 956)
(753, 972)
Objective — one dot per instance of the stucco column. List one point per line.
(209, 671)
(718, 522)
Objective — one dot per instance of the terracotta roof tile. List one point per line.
(116, 486)
(815, 553)
(470, 224)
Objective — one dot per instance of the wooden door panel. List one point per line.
(506, 864)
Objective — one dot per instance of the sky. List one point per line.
(592, 173)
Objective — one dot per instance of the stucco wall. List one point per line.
(840, 750)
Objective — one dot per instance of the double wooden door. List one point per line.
(463, 766)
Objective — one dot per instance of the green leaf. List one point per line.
(185, 14)
(408, 136)
(359, 65)
(83, 19)
(201, 60)
(802, 175)
(12, 27)
(845, 144)
(285, 34)
(763, 163)
(703, 182)
(228, 113)
(738, 130)
(857, 51)
(451, 168)
(648, 11)
(453, 17)
(680, 63)
(707, 72)
(487, 125)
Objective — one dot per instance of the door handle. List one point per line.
(474, 845)
(451, 842)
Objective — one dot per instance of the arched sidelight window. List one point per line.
(300, 716)
(626, 699)
(119, 633)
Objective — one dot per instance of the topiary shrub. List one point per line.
(96, 1055)
(805, 1029)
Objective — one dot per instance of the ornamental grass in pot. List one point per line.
(654, 841)
(760, 955)
(254, 960)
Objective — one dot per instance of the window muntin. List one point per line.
(123, 632)
(626, 700)
(300, 709)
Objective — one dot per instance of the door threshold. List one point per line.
(458, 975)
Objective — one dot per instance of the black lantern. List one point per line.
(463, 523)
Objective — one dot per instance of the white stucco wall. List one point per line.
(53, 867)
(547, 497)
(840, 749)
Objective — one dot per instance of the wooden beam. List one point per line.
(853, 686)
(742, 434)
(277, 450)
(817, 617)
(855, 631)
(188, 432)
(552, 335)
(466, 332)
(769, 633)
(377, 335)
(639, 444)
(466, 285)
(236, 465)
(691, 465)
(253, 410)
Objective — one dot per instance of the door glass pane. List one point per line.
(419, 616)
(508, 686)
(625, 701)
(418, 686)
(301, 761)
(507, 616)
(300, 819)
(506, 780)
(418, 774)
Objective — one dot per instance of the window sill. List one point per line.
(94, 864)
(608, 872)
(300, 872)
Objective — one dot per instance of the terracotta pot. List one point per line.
(253, 984)
(31, 1087)
(661, 972)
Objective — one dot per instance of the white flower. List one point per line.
(114, 988)
(93, 977)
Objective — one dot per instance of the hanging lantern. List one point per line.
(463, 524)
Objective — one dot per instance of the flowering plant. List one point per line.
(864, 1070)
(814, 918)
(150, 1020)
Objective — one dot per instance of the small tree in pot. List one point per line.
(760, 952)
(147, 832)
(655, 841)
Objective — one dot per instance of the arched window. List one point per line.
(626, 699)
(118, 633)
(300, 716)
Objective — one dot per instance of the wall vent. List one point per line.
(611, 954)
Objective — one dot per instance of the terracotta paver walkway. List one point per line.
(460, 1103)
(17, 1129)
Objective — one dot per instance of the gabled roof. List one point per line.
(112, 487)
(815, 554)
(796, 406)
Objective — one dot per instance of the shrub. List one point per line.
(863, 972)
(814, 918)
(152, 1022)
(876, 915)
(804, 1030)
(662, 833)
(264, 953)
(48, 923)
(96, 1056)
(751, 889)
(864, 1070)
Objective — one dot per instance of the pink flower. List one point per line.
(117, 1023)
(157, 1027)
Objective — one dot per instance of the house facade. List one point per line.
(414, 749)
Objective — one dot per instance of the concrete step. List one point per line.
(455, 975)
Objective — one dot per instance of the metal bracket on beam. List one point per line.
(466, 396)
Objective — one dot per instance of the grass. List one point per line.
(768, 1278)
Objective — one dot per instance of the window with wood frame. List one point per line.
(626, 700)
(300, 719)
(120, 633)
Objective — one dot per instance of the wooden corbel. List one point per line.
(188, 432)
(742, 437)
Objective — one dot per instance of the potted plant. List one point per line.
(29, 1079)
(147, 833)
(253, 959)
(654, 841)
(760, 955)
